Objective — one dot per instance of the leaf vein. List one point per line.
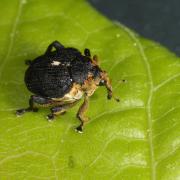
(166, 81)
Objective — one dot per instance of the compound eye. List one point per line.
(102, 82)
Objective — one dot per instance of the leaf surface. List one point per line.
(137, 138)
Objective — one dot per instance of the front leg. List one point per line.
(81, 114)
(34, 102)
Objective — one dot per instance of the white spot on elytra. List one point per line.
(55, 63)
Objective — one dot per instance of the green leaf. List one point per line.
(137, 138)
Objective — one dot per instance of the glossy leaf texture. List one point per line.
(137, 138)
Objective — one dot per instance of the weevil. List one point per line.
(61, 77)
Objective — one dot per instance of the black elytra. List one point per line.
(52, 75)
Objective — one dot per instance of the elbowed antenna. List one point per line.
(105, 80)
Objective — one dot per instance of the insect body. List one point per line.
(60, 78)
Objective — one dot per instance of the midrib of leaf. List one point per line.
(12, 35)
(148, 104)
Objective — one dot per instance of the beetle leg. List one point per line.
(87, 52)
(59, 110)
(57, 45)
(55, 111)
(81, 114)
(34, 102)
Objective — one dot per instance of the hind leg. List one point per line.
(34, 103)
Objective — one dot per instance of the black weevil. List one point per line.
(60, 78)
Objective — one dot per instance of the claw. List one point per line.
(79, 129)
(20, 112)
(50, 117)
